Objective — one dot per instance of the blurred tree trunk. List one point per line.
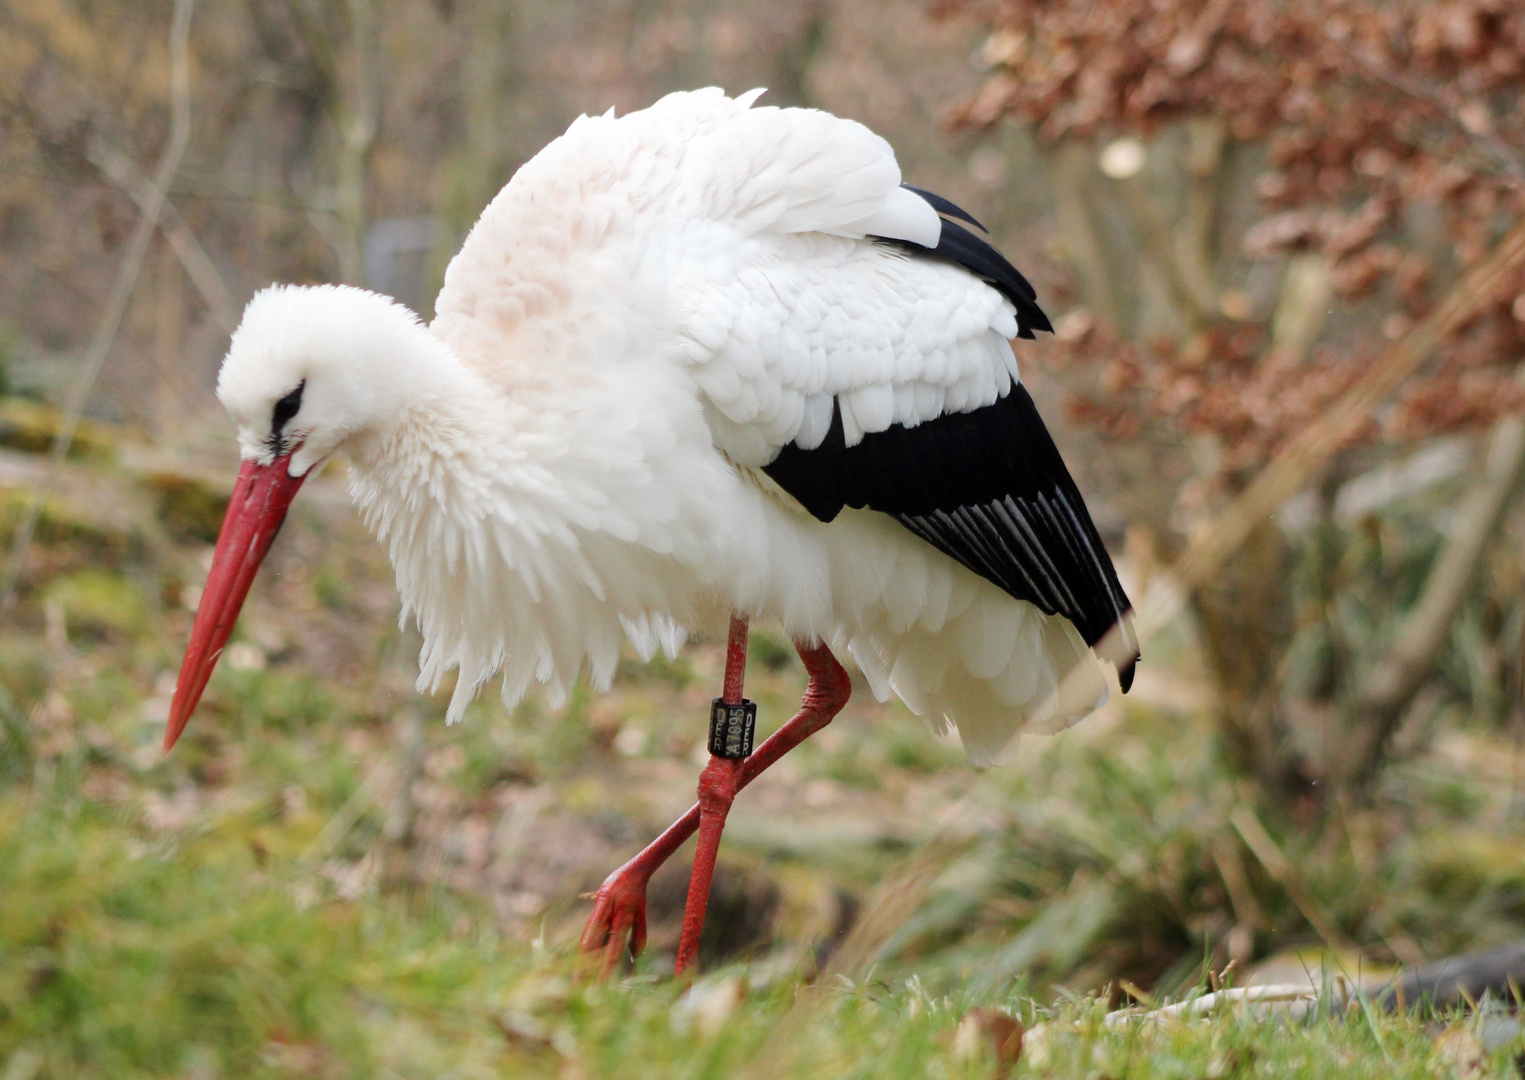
(480, 165)
(342, 40)
(1198, 242)
(1073, 167)
(1246, 623)
(1245, 614)
(487, 90)
(169, 332)
(357, 105)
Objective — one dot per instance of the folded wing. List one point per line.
(876, 373)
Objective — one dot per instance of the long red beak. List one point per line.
(259, 504)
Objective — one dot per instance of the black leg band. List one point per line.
(731, 728)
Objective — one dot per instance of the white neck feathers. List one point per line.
(523, 525)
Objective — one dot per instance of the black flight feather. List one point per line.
(945, 206)
(958, 245)
(987, 488)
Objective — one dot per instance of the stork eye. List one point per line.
(284, 410)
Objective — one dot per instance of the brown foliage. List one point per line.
(1296, 192)
(1367, 121)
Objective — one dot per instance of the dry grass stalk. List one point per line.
(1285, 874)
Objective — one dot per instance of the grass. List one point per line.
(324, 881)
(124, 955)
(168, 918)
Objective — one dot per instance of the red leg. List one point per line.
(825, 694)
(717, 790)
(620, 903)
(718, 784)
(735, 660)
(619, 906)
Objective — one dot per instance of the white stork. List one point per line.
(704, 359)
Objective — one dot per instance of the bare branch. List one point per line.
(120, 170)
(1494, 149)
(116, 304)
(1303, 455)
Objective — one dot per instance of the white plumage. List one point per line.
(571, 455)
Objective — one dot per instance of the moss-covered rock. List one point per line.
(98, 602)
(190, 509)
(32, 426)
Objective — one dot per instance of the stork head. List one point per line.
(309, 370)
(311, 366)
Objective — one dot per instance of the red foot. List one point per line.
(619, 914)
(619, 906)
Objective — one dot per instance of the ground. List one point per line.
(325, 880)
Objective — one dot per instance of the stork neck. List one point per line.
(438, 402)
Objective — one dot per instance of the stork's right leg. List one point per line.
(619, 907)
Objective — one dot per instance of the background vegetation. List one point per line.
(1282, 246)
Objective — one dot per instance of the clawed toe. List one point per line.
(618, 918)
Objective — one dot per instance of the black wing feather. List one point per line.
(945, 206)
(958, 245)
(987, 488)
